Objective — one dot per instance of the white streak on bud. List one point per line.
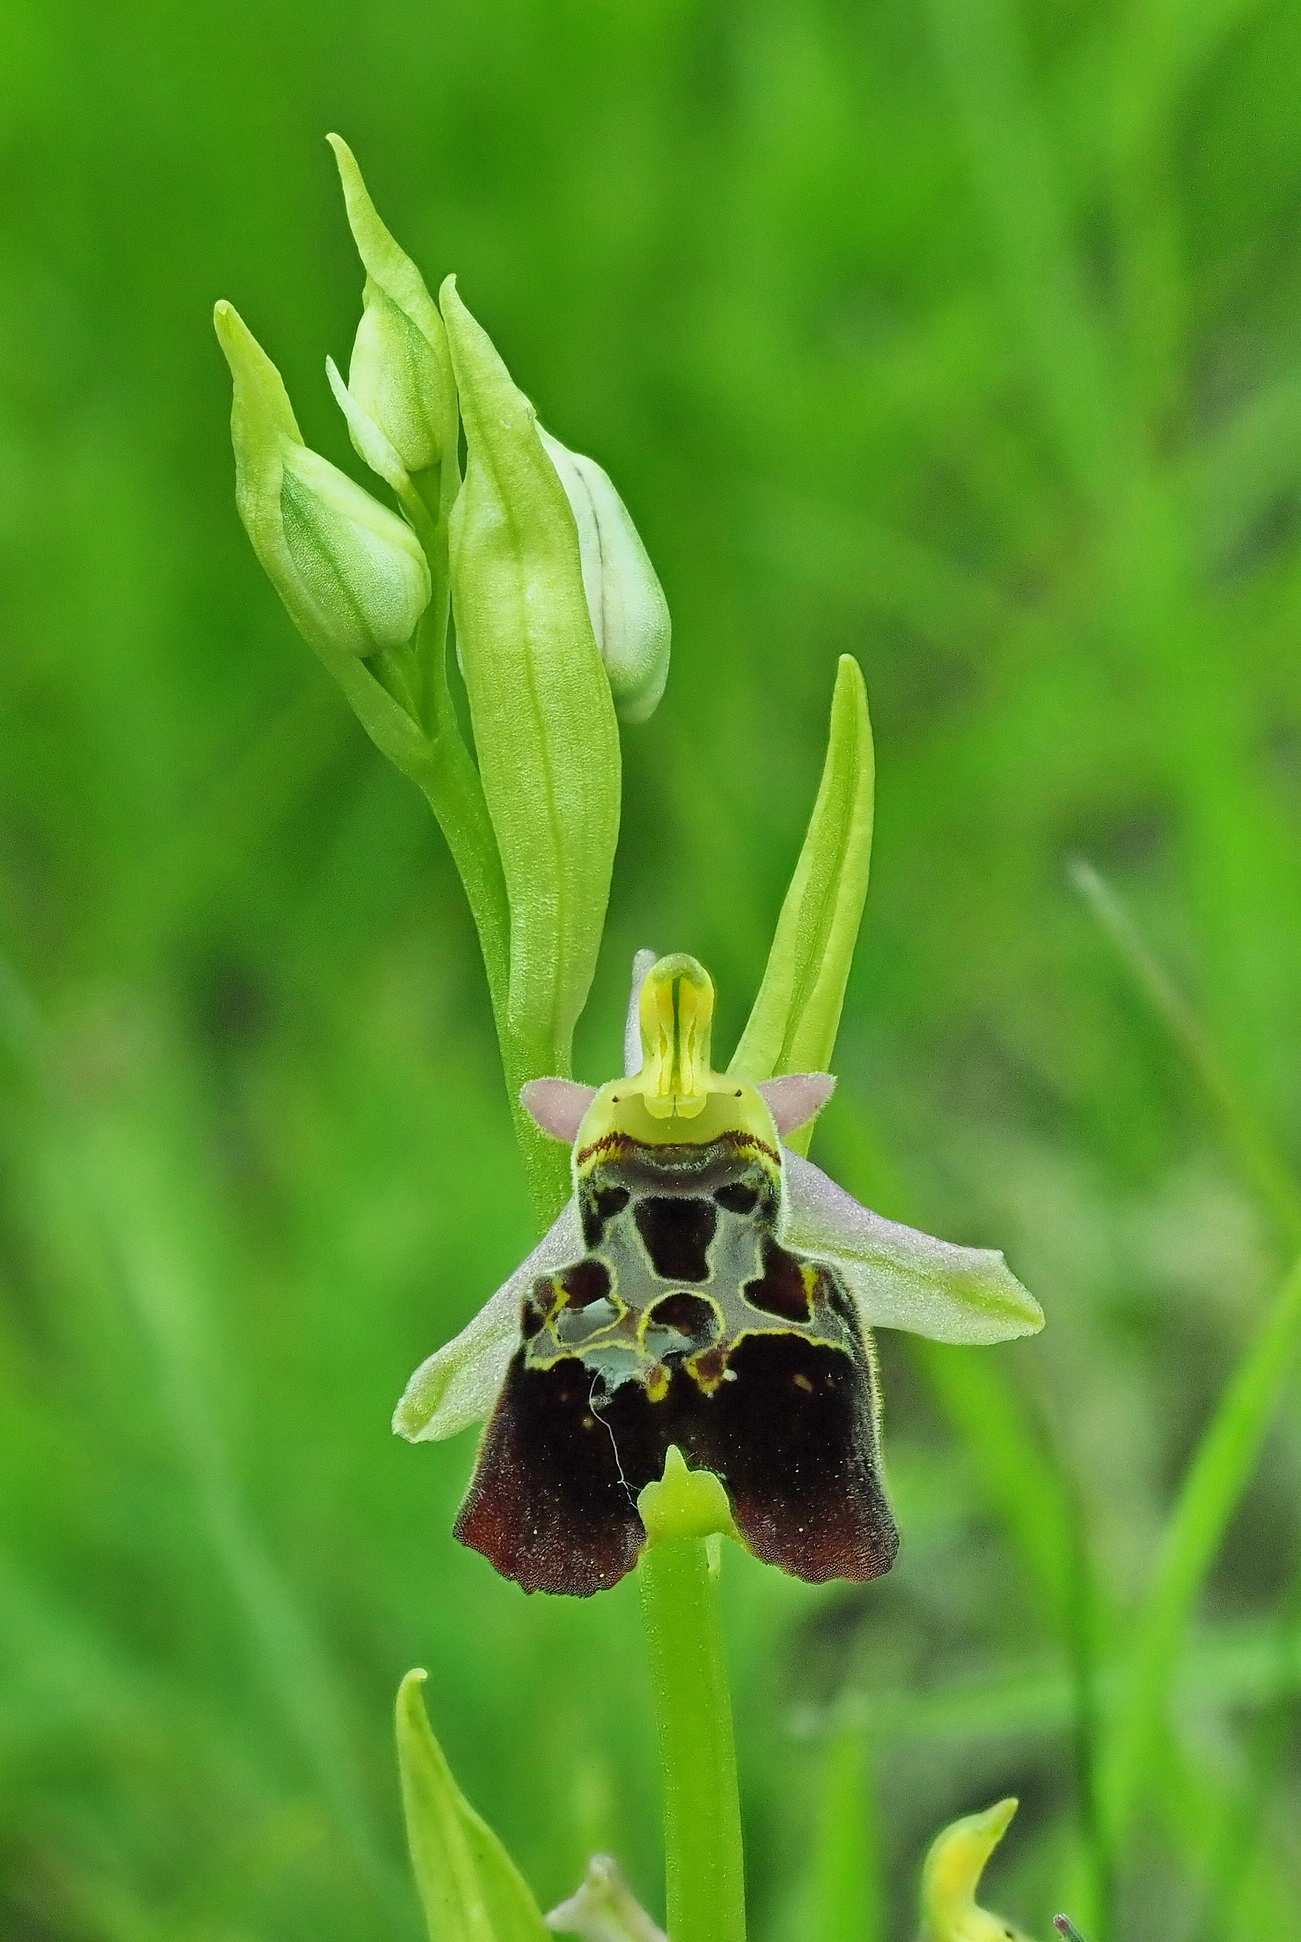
(351, 573)
(368, 441)
(630, 616)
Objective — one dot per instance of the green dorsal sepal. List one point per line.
(677, 1013)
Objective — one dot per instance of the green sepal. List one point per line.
(543, 721)
(793, 1025)
(470, 1889)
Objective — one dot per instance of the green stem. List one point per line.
(693, 1709)
(450, 784)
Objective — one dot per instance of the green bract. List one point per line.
(630, 616)
(352, 575)
(540, 705)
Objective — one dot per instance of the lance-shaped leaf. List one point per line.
(793, 1025)
(540, 703)
(470, 1888)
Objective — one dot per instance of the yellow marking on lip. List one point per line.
(706, 1378)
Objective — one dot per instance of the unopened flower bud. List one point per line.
(351, 573)
(604, 1908)
(400, 375)
(630, 616)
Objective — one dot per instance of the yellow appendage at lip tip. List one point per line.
(685, 1503)
(675, 1036)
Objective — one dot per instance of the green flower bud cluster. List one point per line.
(530, 562)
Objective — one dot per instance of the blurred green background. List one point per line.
(963, 338)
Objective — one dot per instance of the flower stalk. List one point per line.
(679, 1571)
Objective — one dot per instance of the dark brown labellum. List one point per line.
(685, 1323)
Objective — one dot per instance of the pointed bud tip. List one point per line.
(410, 1697)
(251, 367)
(346, 163)
(998, 1818)
(228, 324)
(233, 334)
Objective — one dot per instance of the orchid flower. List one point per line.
(704, 1287)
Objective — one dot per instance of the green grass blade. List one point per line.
(1210, 1493)
(844, 1891)
(1248, 1135)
